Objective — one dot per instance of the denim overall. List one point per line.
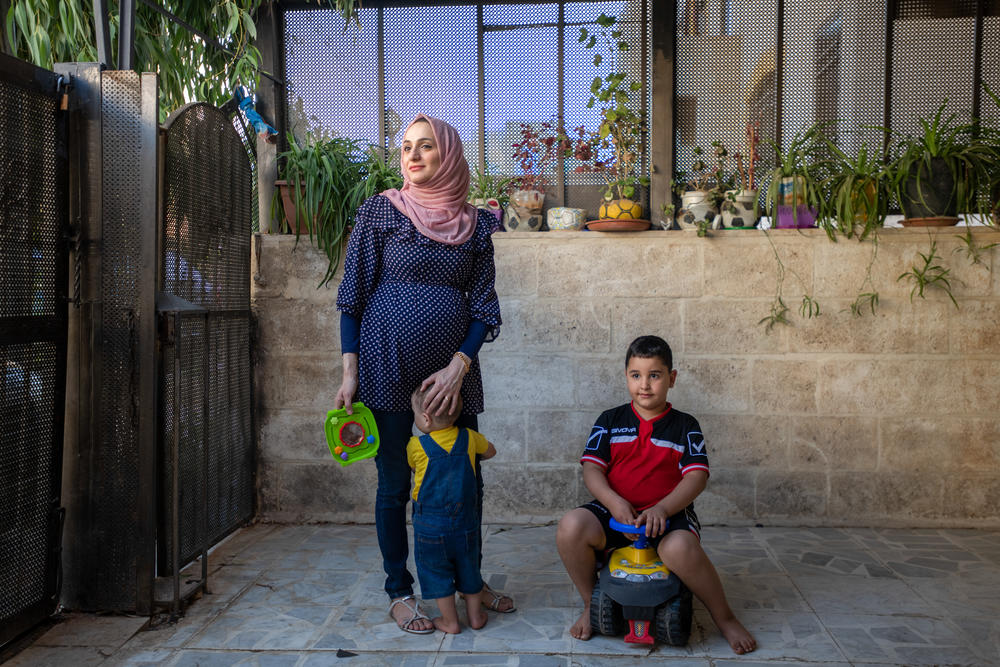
(446, 521)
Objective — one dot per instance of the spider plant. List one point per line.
(798, 168)
(859, 193)
(940, 171)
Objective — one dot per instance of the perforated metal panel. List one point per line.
(33, 323)
(832, 68)
(333, 76)
(205, 260)
(933, 57)
(387, 66)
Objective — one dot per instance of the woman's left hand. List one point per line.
(445, 385)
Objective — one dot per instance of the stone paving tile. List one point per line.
(763, 591)
(227, 658)
(780, 636)
(286, 627)
(856, 595)
(58, 656)
(79, 630)
(910, 640)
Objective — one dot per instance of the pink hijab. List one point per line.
(438, 208)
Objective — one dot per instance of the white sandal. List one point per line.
(415, 615)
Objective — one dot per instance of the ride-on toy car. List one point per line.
(635, 586)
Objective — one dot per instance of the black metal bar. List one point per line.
(126, 33)
(890, 19)
(102, 32)
(977, 62)
(384, 124)
(560, 102)
(663, 123)
(175, 463)
(481, 86)
(779, 75)
(145, 353)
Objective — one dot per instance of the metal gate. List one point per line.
(206, 452)
(33, 331)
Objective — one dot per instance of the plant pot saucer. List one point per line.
(938, 221)
(617, 225)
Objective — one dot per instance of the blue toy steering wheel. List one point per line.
(640, 541)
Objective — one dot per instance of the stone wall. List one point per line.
(885, 419)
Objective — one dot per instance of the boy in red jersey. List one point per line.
(645, 463)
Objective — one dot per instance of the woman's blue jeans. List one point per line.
(394, 483)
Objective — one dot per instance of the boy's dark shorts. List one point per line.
(686, 519)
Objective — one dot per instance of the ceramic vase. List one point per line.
(525, 211)
(739, 209)
(696, 206)
(561, 218)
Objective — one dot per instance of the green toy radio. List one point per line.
(351, 437)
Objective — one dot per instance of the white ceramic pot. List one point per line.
(525, 211)
(739, 209)
(561, 218)
(696, 206)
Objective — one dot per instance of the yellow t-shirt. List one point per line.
(446, 438)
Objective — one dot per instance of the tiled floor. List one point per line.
(312, 595)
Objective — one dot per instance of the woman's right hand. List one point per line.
(348, 384)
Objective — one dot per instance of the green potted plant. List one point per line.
(318, 177)
(794, 194)
(489, 191)
(619, 138)
(536, 155)
(740, 208)
(940, 171)
(703, 189)
(859, 192)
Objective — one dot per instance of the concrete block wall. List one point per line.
(885, 419)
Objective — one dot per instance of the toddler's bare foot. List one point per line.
(738, 637)
(452, 628)
(581, 629)
(477, 621)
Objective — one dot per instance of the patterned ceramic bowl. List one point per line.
(566, 219)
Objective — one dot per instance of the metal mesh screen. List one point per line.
(451, 92)
(933, 56)
(115, 491)
(32, 345)
(188, 389)
(333, 76)
(206, 261)
(520, 77)
(834, 65)
(520, 48)
(231, 448)
(991, 67)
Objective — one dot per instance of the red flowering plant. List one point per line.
(541, 147)
(536, 153)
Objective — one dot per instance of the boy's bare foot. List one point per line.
(581, 629)
(738, 637)
(477, 621)
(452, 628)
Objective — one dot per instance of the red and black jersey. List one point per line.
(645, 460)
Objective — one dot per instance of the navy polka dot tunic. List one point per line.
(414, 298)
